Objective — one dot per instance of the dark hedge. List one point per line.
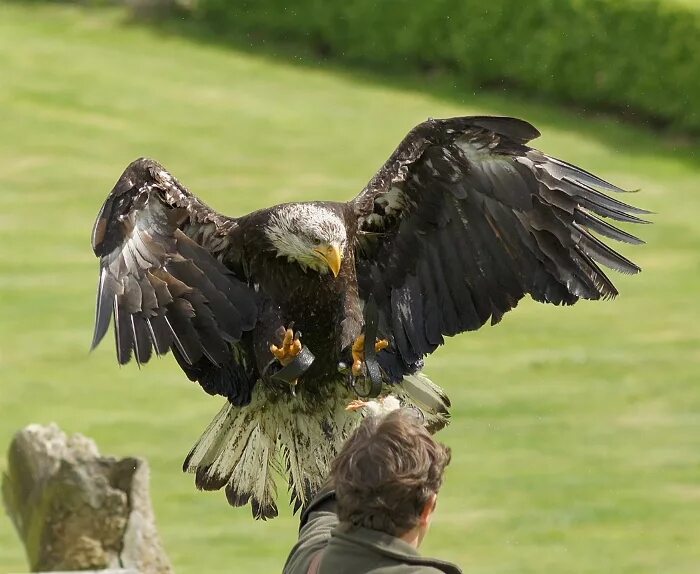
(638, 56)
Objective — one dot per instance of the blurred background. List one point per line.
(575, 433)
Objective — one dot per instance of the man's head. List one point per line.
(388, 474)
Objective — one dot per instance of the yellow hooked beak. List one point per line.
(332, 255)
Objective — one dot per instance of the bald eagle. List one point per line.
(461, 222)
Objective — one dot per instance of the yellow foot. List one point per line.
(291, 347)
(358, 352)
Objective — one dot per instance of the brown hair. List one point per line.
(387, 471)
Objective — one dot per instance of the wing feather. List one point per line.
(103, 309)
(603, 228)
(164, 290)
(464, 219)
(143, 349)
(161, 334)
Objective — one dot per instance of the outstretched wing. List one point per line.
(464, 219)
(165, 289)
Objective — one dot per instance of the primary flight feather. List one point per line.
(462, 221)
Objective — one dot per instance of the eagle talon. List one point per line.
(291, 347)
(358, 353)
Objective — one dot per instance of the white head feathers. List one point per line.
(296, 230)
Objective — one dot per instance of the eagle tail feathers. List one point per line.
(244, 448)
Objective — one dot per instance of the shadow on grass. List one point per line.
(633, 135)
(616, 129)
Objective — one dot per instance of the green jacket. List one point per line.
(351, 550)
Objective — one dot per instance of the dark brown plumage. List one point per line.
(460, 223)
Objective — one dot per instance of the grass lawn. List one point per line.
(576, 432)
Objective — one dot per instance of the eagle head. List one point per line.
(311, 234)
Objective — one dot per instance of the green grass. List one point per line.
(576, 432)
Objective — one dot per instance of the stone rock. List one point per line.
(77, 510)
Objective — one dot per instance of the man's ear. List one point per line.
(428, 510)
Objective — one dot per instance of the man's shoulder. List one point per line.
(414, 569)
(409, 569)
(317, 522)
(371, 551)
(396, 567)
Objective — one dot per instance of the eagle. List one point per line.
(460, 223)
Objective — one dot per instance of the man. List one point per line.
(376, 508)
